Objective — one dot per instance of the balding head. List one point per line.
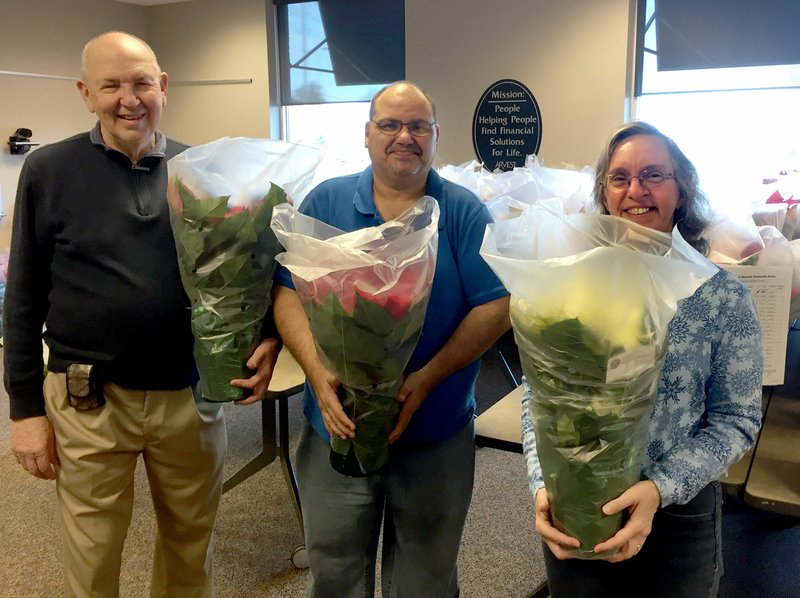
(123, 84)
(118, 39)
(401, 160)
(401, 84)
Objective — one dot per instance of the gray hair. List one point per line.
(691, 215)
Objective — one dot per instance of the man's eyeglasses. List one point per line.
(649, 179)
(392, 126)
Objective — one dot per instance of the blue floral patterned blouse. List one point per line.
(708, 410)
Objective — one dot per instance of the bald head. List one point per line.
(123, 84)
(402, 86)
(115, 41)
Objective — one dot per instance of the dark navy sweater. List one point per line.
(93, 260)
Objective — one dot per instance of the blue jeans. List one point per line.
(682, 558)
(421, 498)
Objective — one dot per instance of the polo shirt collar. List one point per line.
(364, 200)
(159, 149)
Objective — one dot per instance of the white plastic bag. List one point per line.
(365, 294)
(244, 167)
(591, 300)
(221, 197)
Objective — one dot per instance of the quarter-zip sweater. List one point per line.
(93, 260)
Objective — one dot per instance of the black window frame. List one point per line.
(285, 66)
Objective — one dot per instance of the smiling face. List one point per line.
(402, 159)
(654, 206)
(124, 86)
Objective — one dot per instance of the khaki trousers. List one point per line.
(182, 441)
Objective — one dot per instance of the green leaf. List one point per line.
(374, 415)
(226, 266)
(589, 433)
(368, 351)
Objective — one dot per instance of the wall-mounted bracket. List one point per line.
(20, 142)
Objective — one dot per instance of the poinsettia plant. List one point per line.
(367, 339)
(365, 294)
(589, 431)
(226, 260)
(221, 196)
(591, 300)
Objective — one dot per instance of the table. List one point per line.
(287, 380)
(773, 483)
(500, 427)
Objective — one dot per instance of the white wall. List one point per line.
(571, 54)
(204, 39)
(46, 37)
(213, 40)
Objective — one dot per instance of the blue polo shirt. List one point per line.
(462, 280)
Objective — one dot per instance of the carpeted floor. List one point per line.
(257, 529)
(761, 553)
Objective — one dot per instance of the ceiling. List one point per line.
(151, 2)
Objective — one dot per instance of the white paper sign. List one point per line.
(771, 287)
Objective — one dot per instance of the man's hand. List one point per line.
(292, 324)
(262, 361)
(642, 501)
(414, 390)
(479, 329)
(33, 443)
(326, 387)
(560, 544)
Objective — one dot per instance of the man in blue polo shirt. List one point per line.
(422, 495)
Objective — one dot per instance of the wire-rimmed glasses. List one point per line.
(392, 126)
(648, 179)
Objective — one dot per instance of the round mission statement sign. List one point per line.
(507, 125)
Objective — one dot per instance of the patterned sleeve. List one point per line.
(535, 479)
(710, 391)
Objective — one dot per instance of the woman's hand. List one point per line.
(561, 545)
(642, 501)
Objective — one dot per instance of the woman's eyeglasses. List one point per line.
(648, 179)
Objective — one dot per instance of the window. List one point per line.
(334, 56)
(738, 124)
(336, 128)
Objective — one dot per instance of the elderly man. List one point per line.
(93, 262)
(422, 495)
